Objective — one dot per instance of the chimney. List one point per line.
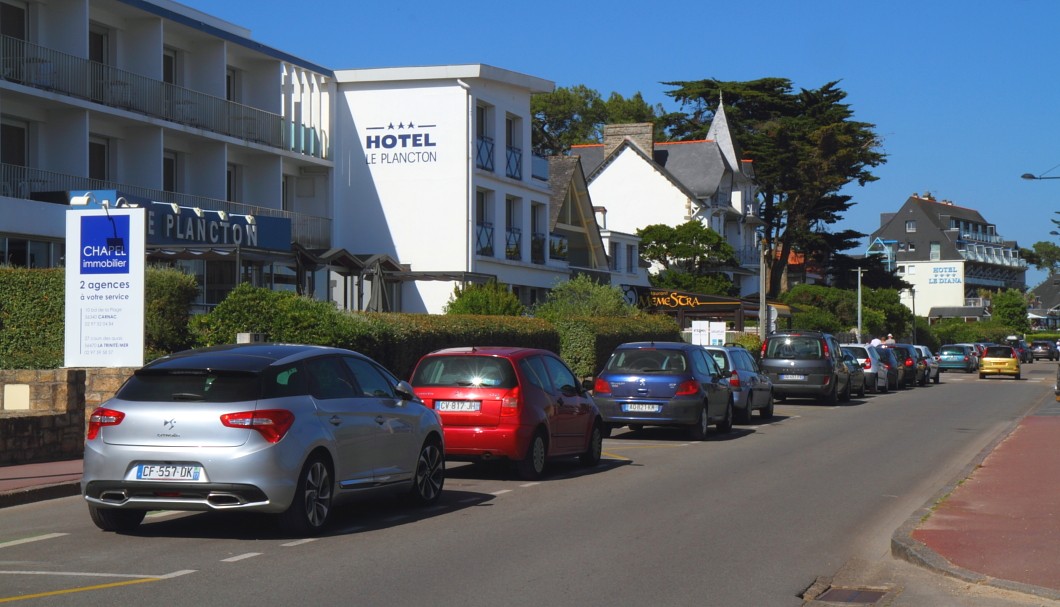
(640, 133)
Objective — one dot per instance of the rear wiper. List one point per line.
(187, 396)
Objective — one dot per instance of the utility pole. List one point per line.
(912, 293)
(859, 271)
(763, 309)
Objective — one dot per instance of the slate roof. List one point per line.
(696, 167)
(1048, 291)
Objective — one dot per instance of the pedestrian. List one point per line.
(876, 341)
(890, 340)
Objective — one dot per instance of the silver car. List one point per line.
(875, 370)
(751, 389)
(290, 430)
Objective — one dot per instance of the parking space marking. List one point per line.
(501, 492)
(241, 557)
(298, 542)
(529, 484)
(136, 579)
(36, 538)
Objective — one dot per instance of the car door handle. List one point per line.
(335, 420)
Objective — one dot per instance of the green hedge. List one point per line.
(586, 343)
(32, 309)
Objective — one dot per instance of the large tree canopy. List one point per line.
(577, 115)
(691, 257)
(806, 147)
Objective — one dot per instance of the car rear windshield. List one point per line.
(952, 350)
(999, 352)
(204, 386)
(856, 351)
(465, 372)
(794, 346)
(647, 360)
(1041, 344)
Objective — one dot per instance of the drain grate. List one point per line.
(856, 596)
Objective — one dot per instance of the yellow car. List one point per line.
(999, 360)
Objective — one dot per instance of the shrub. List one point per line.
(583, 297)
(492, 298)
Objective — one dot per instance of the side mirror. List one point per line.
(588, 385)
(404, 391)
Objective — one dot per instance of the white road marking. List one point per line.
(37, 538)
(241, 557)
(134, 576)
(298, 542)
(501, 492)
(529, 484)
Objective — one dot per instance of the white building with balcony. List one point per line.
(947, 253)
(159, 102)
(435, 170)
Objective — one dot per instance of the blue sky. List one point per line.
(964, 93)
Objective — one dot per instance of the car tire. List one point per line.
(592, 454)
(532, 466)
(115, 519)
(833, 395)
(743, 416)
(698, 431)
(1017, 376)
(937, 378)
(310, 508)
(430, 474)
(725, 425)
(605, 430)
(861, 392)
(982, 376)
(767, 411)
(636, 427)
(886, 386)
(845, 396)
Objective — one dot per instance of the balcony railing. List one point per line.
(484, 239)
(22, 182)
(40, 67)
(514, 166)
(748, 256)
(513, 241)
(537, 247)
(484, 153)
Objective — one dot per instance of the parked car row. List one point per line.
(295, 430)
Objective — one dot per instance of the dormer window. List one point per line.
(910, 225)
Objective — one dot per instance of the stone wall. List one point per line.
(44, 413)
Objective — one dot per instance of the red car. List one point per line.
(520, 404)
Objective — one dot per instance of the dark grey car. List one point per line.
(806, 364)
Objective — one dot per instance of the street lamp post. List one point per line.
(912, 293)
(859, 271)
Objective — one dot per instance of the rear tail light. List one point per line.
(734, 380)
(867, 364)
(601, 386)
(272, 424)
(510, 403)
(102, 417)
(687, 387)
(825, 350)
(763, 353)
(909, 362)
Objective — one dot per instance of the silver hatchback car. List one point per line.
(290, 430)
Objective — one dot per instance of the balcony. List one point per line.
(484, 239)
(513, 241)
(22, 182)
(43, 68)
(748, 256)
(514, 166)
(484, 153)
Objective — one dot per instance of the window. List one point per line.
(13, 143)
(483, 138)
(562, 378)
(171, 67)
(631, 258)
(936, 251)
(910, 225)
(329, 378)
(370, 382)
(99, 47)
(233, 84)
(614, 257)
(13, 21)
(233, 183)
(99, 158)
(170, 171)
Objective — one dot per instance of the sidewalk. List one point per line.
(35, 482)
(998, 524)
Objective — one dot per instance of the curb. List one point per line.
(904, 547)
(19, 497)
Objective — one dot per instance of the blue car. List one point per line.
(958, 357)
(663, 384)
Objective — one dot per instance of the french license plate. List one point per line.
(457, 405)
(168, 472)
(793, 377)
(642, 408)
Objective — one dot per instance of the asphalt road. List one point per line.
(751, 518)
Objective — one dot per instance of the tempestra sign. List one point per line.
(104, 287)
